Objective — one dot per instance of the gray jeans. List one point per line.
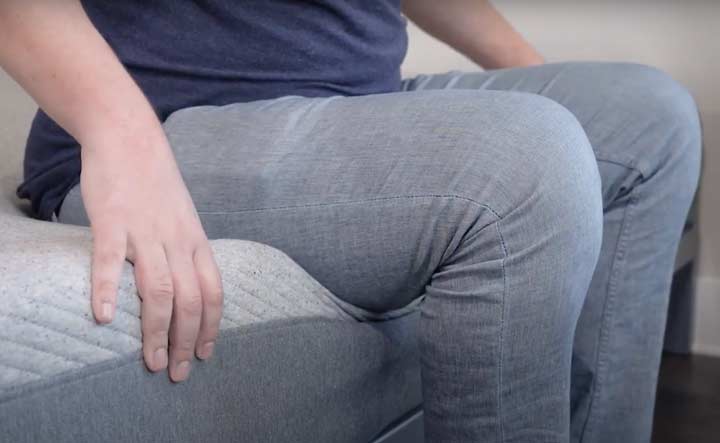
(535, 213)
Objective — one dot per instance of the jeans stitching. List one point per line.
(350, 202)
(502, 332)
(607, 314)
(503, 245)
(626, 164)
(498, 219)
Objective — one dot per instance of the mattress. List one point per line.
(293, 363)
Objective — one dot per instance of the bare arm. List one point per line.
(137, 203)
(54, 52)
(474, 28)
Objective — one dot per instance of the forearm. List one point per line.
(53, 51)
(474, 28)
(133, 193)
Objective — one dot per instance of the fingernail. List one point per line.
(206, 350)
(107, 311)
(182, 370)
(160, 358)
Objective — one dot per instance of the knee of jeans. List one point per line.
(662, 111)
(558, 190)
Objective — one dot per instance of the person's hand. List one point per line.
(140, 210)
(137, 203)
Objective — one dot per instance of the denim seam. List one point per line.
(626, 164)
(503, 305)
(348, 202)
(498, 219)
(604, 335)
(502, 332)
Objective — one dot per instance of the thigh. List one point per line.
(368, 194)
(629, 111)
(645, 134)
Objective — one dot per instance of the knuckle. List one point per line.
(190, 305)
(214, 298)
(161, 290)
(107, 257)
(182, 245)
(183, 346)
(154, 335)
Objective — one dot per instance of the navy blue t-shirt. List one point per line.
(214, 52)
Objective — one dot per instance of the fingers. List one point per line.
(187, 312)
(108, 256)
(210, 283)
(155, 285)
(181, 308)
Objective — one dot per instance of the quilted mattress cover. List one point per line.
(294, 362)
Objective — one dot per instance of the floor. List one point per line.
(688, 400)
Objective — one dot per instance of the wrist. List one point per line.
(140, 131)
